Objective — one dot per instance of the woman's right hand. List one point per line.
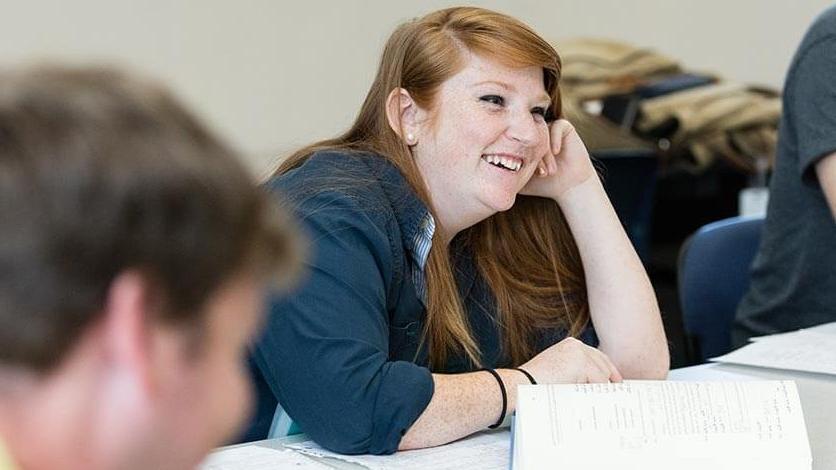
(572, 361)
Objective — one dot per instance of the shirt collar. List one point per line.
(415, 220)
(410, 212)
(423, 240)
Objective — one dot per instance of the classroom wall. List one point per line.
(272, 75)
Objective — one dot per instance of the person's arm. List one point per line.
(461, 405)
(826, 174)
(466, 403)
(809, 103)
(622, 303)
(324, 351)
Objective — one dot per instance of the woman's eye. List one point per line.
(493, 99)
(539, 112)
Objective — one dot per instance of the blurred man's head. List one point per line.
(133, 246)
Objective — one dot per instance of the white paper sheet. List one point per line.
(825, 329)
(658, 424)
(259, 458)
(707, 373)
(485, 451)
(803, 350)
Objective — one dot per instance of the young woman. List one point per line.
(462, 245)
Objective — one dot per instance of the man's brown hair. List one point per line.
(101, 173)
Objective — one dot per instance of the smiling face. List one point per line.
(482, 140)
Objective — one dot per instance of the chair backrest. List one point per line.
(713, 276)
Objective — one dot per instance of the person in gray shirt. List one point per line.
(793, 282)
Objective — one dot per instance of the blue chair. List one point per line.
(713, 276)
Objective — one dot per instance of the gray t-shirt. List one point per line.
(794, 273)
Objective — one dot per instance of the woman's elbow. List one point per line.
(341, 436)
(346, 445)
(648, 363)
(647, 366)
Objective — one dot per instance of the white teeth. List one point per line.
(506, 162)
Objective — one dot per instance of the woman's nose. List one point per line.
(523, 128)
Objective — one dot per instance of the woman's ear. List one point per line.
(403, 114)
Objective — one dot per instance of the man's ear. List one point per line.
(127, 329)
(404, 115)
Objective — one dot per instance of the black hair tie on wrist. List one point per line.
(504, 397)
(530, 377)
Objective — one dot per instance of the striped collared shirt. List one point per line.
(421, 245)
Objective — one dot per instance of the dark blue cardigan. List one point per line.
(342, 353)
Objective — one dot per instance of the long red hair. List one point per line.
(537, 279)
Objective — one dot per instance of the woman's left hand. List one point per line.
(565, 165)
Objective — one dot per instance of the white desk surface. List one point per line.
(817, 392)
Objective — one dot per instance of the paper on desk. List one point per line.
(259, 458)
(825, 329)
(654, 424)
(707, 373)
(485, 451)
(803, 350)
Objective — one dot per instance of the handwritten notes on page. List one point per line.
(485, 451)
(650, 425)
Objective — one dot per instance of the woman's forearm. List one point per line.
(462, 404)
(622, 303)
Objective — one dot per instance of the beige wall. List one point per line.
(272, 75)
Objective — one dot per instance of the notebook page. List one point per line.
(662, 422)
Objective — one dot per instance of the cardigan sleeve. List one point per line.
(324, 349)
